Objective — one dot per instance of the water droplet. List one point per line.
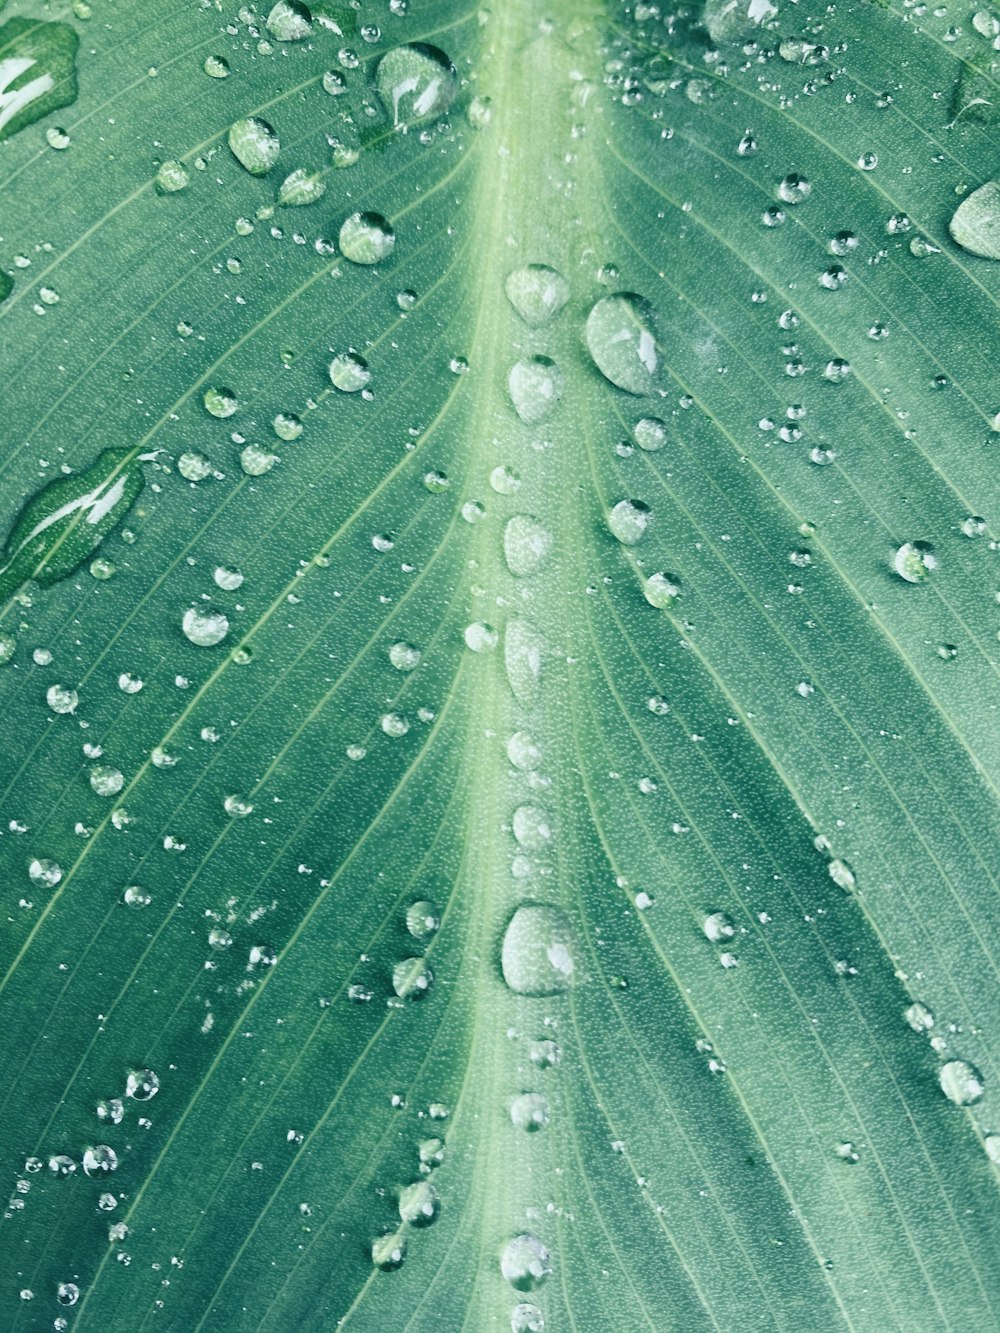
(992, 1145)
(661, 590)
(99, 1160)
(523, 752)
(255, 145)
(537, 952)
(44, 871)
(423, 919)
(388, 1252)
(650, 434)
(914, 561)
(216, 67)
(480, 112)
(868, 161)
(530, 1112)
(220, 402)
(394, 725)
(204, 628)
(61, 700)
(436, 482)
(847, 1153)
(349, 372)
(718, 927)
(334, 82)
(61, 1165)
(302, 187)
(366, 238)
(172, 177)
(504, 481)
(237, 807)
(417, 83)
(526, 544)
(412, 978)
(961, 1082)
(256, 461)
(526, 1263)
(628, 520)
(536, 385)
(105, 780)
(526, 1318)
(481, 637)
(134, 896)
(142, 1084)
(532, 828)
(842, 875)
(419, 1204)
(406, 299)
(404, 657)
(524, 650)
(289, 21)
(919, 1017)
(67, 1293)
(794, 188)
(537, 293)
(621, 337)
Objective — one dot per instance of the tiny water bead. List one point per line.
(204, 628)
(526, 544)
(537, 954)
(961, 1082)
(530, 1112)
(349, 372)
(526, 1263)
(537, 293)
(914, 561)
(536, 385)
(419, 1204)
(621, 337)
(366, 238)
(417, 84)
(220, 402)
(628, 521)
(255, 145)
(412, 978)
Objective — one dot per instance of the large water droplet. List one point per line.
(412, 978)
(419, 1204)
(531, 827)
(349, 372)
(289, 21)
(975, 225)
(536, 385)
(530, 1112)
(255, 145)
(526, 543)
(621, 337)
(526, 1263)
(914, 561)
(416, 82)
(537, 293)
(537, 952)
(961, 1082)
(204, 628)
(366, 238)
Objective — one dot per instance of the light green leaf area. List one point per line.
(503, 830)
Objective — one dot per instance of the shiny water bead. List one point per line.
(536, 385)
(537, 292)
(255, 145)
(961, 1082)
(621, 336)
(289, 21)
(301, 188)
(220, 402)
(628, 521)
(530, 1112)
(526, 1263)
(142, 1084)
(61, 699)
(914, 561)
(366, 238)
(349, 373)
(423, 919)
(172, 177)
(537, 954)
(412, 978)
(419, 1204)
(388, 1252)
(204, 628)
(417, 84)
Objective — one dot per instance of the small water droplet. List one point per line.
(423, 919)
(349, 372)
(220, 402)
(536, 385)
(530, 1112)
(481, 637)
(914, 561)
(419, 1204)
(526, 544)
(172, 177)
(794, 188)
(142, 1084)
(105, 780)
(537, 293)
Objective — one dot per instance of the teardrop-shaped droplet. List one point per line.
(417, 83)
(961, 1082)
(300, 188)
(537, 956)
(419, 1204)
(536, 385)
(366, 238)
(526, 544)
(537, 293)
(621, 337)
(67, 519)
(523, 653)
(526, 1263)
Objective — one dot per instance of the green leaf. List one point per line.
(508, 830)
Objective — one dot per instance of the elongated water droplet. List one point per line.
(255, 145)
(60, 526)
(417, 83)
(537, 956)
(536, 385)
(300, 188)
(419, 1204)
(523, 654)
(537, 293)
(621, 337)
(526, 544)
